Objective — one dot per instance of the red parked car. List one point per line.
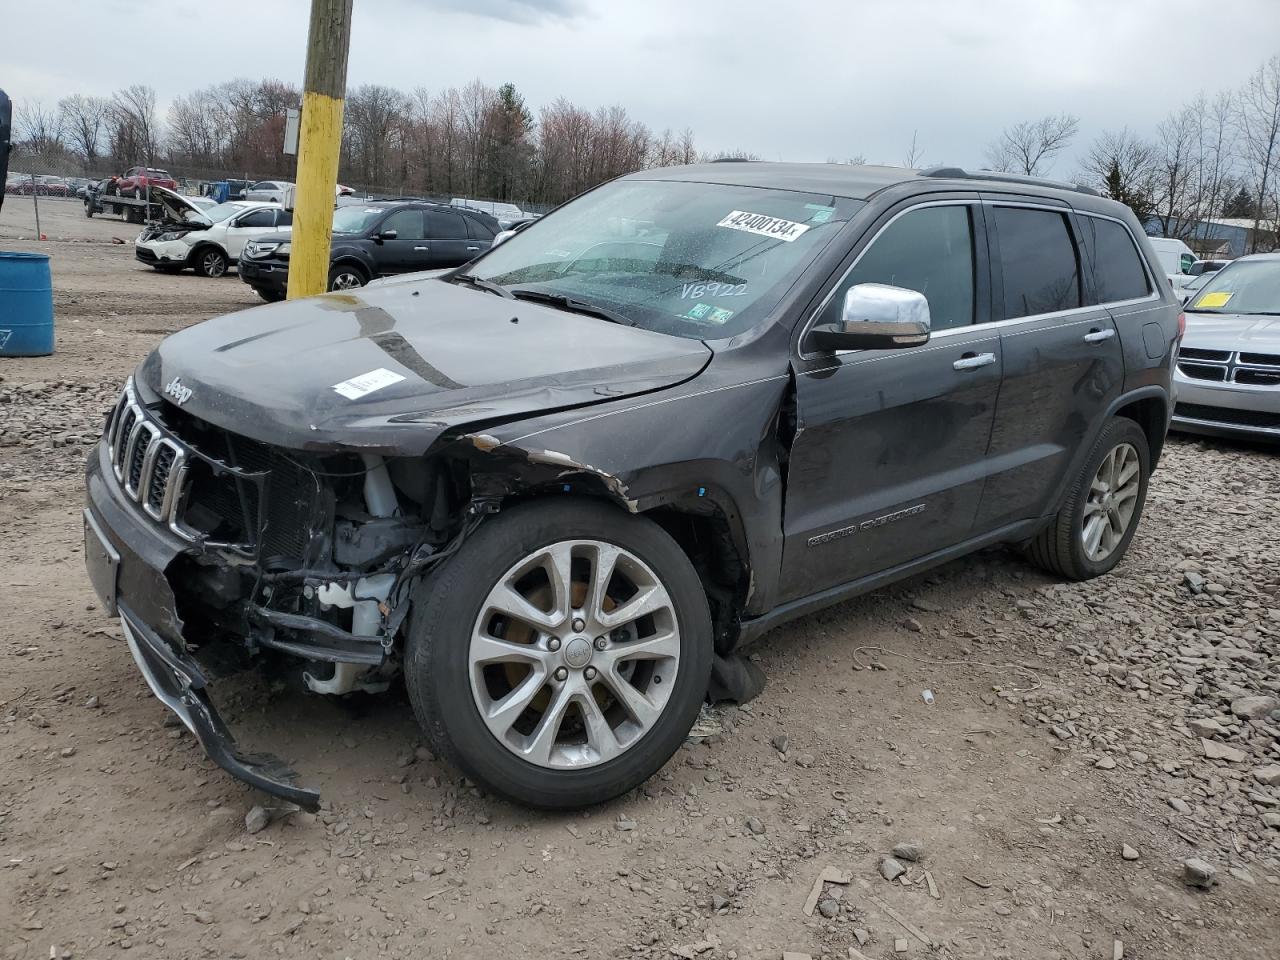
(136, 179)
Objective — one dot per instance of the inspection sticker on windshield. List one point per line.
(1211, 300)
(367, 383)
(765, 226)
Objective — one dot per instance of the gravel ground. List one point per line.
(1084, 742)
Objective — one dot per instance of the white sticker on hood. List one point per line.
(366, 383)
(764, 225)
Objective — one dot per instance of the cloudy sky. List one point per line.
(806, 80)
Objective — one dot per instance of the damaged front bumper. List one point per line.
(180, 685)
(127, 559)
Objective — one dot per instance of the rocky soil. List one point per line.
(1093, 773)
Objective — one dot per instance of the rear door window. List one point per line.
(1038, 262)
(929, 250)
(1118, 273)
(479, 229)
(445, 226)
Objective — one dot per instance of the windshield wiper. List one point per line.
(569, 303)
(481, 284)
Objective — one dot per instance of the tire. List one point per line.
(346, 276)
(271, 296)
(1063, 547)
(211, 262)
(445, 685)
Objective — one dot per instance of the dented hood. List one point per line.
(390, 368)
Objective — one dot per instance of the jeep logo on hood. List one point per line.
(177, 392)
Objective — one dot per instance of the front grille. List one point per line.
(1261, 359)
(1195, 353)
(143, 253)
(211, 486)
(1202, 371)
(1239, 418)
(1224, 366)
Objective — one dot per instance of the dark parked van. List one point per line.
(558, 489)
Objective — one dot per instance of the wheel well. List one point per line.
(351, 262)
(1152, 415)
(707, 540)
(201, 247)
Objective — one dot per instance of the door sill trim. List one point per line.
(749, 631)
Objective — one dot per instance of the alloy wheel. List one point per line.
(346, 280)
(574, 654)
(1113, 497)
(214, 263)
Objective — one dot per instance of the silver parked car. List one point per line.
(268, 191)
(1228, 373)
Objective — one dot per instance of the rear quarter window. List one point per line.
(1118, 273)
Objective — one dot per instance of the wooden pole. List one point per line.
(319, 145)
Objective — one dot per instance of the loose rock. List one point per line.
(891, 869)
(1198, 873)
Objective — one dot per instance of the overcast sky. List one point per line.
(799, 80)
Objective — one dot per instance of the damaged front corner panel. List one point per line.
(524, 470)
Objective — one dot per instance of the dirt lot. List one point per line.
(1059, 735)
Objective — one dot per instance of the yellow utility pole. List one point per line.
(319, 144)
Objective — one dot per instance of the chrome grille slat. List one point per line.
(150, 467)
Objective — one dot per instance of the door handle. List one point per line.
(422, 248)
(1097, 336)
(472, 249)
(972, 361)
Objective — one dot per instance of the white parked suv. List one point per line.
(210, 241)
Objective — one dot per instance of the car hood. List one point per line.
(1233, 331)
(178, 209)
(390, 368)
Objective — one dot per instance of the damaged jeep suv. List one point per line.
(555, 491)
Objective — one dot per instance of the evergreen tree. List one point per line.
(1239, 206)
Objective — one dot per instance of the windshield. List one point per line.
(355, 219)
(222, 211)
(1245, 287)
(696, 260)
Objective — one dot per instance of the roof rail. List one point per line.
(958, 173)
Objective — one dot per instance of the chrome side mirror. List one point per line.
(875, 316)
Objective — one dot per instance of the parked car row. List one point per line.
(371, 239)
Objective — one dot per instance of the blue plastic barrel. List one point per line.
(26, 305)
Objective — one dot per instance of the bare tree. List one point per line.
(38, 128)
(1124, 167)
(1030, 146)
(1258, 117)
(83, 119)
(914, 153)
(1177, 172)
(133, 129)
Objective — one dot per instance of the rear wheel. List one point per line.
(346, 277)
(561, 656)
(1100, 514)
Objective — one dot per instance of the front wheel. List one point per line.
(345, 277)
(561, 655)
(211, 262)
(1098, 518)
(269, 294)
